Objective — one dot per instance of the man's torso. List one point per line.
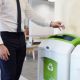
(8, 15)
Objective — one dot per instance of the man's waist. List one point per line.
(10, 27)
(12, 35)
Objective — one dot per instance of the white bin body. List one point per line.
(60, 52)
(75, 64)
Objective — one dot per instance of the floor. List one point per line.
(30, 68)
(22, 78)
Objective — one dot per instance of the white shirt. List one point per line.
(8, 16)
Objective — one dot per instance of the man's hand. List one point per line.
(57, 24)
(4, 53)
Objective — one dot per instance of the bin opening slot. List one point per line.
(65, 37)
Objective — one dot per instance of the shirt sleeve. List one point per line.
(33, 16)
(1, 42)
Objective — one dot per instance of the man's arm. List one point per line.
(4, 53)
(32, 15)
(1, 42)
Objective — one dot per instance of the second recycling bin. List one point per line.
(75, 64)
(54, 57)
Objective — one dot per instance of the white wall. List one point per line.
(46, 10)
(68, 11)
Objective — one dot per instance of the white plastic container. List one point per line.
(75, 64)
(54, 58)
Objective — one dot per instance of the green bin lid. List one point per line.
(75, 40)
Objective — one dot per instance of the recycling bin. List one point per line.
(75, 64)
(54, 57)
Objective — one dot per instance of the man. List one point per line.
(12, 40)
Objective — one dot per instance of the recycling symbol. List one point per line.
(51, 78)
(50, 67)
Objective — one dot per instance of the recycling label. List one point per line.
(50, 69)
